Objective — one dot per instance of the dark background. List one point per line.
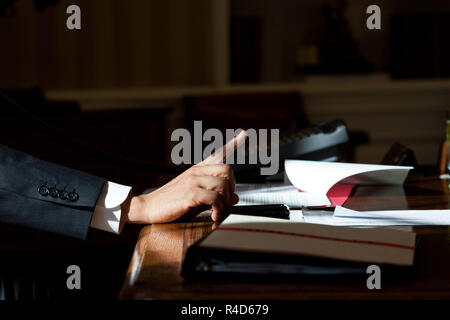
(124, 77)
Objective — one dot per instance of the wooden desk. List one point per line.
(154, 271)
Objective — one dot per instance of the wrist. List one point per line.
(132, 209)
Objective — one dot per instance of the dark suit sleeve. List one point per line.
(44, 196)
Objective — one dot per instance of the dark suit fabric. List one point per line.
(41, 235)
(21, 202)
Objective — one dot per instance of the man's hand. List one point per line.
(209, 184)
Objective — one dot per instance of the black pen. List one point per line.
(279, 211)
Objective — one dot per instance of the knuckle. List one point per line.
(216, 196)
(224, 170)
(224, 184)
(194, 179)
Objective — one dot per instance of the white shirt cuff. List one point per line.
(107, 212)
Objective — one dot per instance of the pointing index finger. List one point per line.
(220, 156)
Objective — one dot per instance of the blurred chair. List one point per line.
(272, 110)
(34, 100)
(282, 111)
(60, 132)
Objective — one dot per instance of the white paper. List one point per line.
(347, 217)
(320, 177)
(258, 194)
(327, 218)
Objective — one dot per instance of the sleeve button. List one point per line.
(54, 193)
(43, 190)
(64, 195)
(73, 196)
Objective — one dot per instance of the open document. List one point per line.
(256, 194)
(316, 183)
(321, 177)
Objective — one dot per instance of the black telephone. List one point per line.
(322, 142)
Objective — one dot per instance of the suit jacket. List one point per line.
(43, 226)
(44, 196)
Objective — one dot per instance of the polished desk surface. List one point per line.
(154, 271)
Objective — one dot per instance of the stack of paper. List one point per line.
(347, 217)
(269, 235)
(256, 194)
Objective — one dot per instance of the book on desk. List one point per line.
(246, 245)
